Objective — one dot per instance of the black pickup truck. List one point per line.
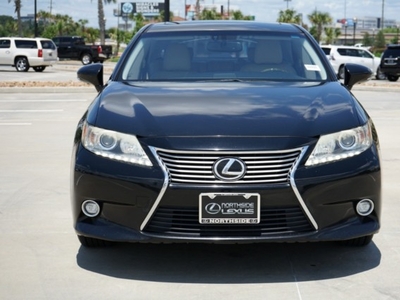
(75, 48)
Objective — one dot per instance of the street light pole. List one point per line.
(287, 4)
(354, 30)
(35, 15)
(167, 11)
(345, 33)
(373, 36)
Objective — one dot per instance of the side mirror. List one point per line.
(92, 74)
(354, 73)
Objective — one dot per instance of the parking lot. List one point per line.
(41, 258)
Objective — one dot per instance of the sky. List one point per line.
(263, 10)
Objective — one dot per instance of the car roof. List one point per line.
(394, 46)
(223, 25)
(25, 38)
(343, 46)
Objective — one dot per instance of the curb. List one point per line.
(375, 88)
(91, 89)
(47, 90)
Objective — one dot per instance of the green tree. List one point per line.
(380, 42)
(49, 31)
(139, 22)
(319, 20)
(367, 39)
(6, 22)
(210, 14)
(18, 6)
(160, 17)
(91, 35)
(101, 17)
(82, 26)
(45, 16)
(332, 34)
(289, 16)
(238, 15)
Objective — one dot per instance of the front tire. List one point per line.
(39, 69)
(86, 59)
(358, 242)
(21, 64)
(379, 75)
(89, 242)
(392, 78)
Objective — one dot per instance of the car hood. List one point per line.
(226, 109)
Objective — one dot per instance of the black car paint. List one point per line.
(255, 109)
(272, 116)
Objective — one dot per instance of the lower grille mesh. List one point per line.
(184, 222)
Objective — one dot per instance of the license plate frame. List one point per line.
(229, 208)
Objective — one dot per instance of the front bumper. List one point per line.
(140, 204)
(395, 71)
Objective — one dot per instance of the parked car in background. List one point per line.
(340, 55)
(225, 131)
(75, 48)
(390, 62)
(23, 53)
(359, 45)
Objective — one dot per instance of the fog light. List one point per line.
(365, 207)
(90, 208)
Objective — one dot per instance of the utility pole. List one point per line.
(35, 16)
(166, 11)
(197, 9)
(287, 4)
(383, 14)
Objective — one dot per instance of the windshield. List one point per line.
(224, 55)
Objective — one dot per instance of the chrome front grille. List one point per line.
(197, 166)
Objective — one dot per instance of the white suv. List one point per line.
(23, 53)
(340, 55)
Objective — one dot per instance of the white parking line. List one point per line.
(30, 110)
(15, 124)
(42, 100)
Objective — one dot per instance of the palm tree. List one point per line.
(139, 22)
(319, 19)
(331, 34)
(238, 15)
(82, 24)
(45, 16)
(208, 14)
(160, 17)
(102, 19)
(289, 16)
(18, 6)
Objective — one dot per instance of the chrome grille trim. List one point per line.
(296, 191)
(292, 172)
(197, 166)
(160, 195)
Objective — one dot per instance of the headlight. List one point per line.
(341, 145)
(114, 145)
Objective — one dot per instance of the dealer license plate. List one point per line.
(229, 208)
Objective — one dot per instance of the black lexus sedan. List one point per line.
(225, 132)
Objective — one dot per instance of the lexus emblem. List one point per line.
(213, 208)
(229, 169)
